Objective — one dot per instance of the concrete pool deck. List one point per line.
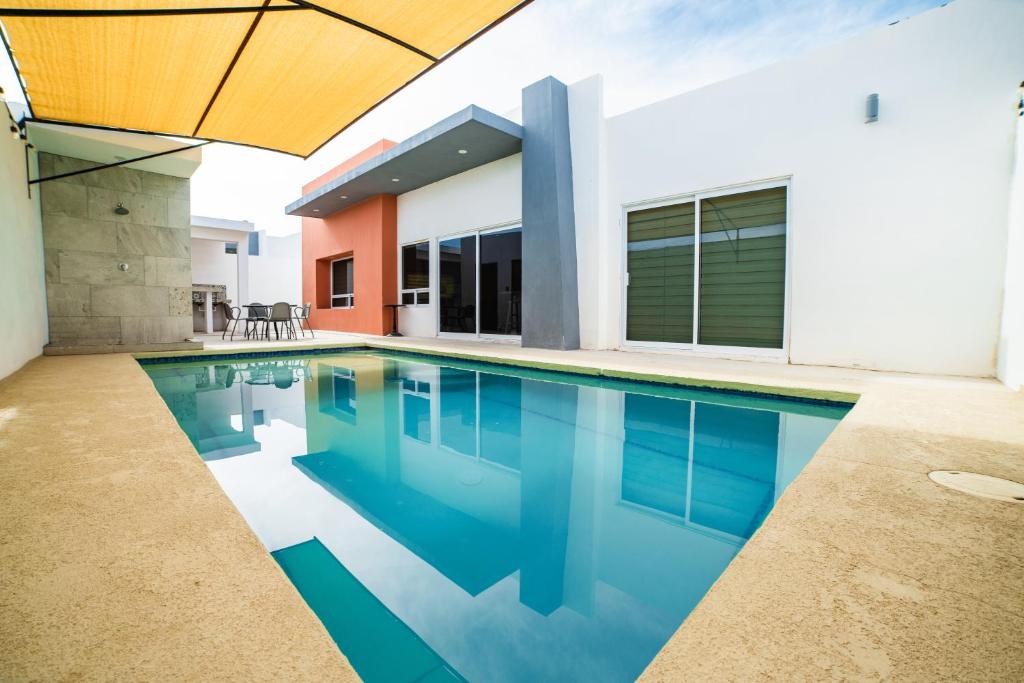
(122, 558)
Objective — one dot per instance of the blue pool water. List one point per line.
(448, 520)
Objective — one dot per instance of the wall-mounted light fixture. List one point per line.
(121, 209)
(871, 110)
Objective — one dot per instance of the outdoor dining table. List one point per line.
(269, 307)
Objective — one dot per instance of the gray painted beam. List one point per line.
(427, 157)
(551, 318)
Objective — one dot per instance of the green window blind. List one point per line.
(743, 269)
(659, 300)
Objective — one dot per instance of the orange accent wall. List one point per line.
(368, 232)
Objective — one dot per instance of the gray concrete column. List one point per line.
(550, 300)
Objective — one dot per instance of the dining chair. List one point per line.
(301, 315)
(258, 314)
(282, 313)
(232, 314)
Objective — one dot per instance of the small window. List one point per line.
(342, 295)
(416, 274)
(231, 247)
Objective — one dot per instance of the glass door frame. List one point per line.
(781, 355)
(477, 233)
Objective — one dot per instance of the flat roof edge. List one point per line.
(472, 113)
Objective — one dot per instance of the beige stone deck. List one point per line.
(121, 558)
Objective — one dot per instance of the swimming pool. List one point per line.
(449, 520)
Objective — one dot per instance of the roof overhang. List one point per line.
(213, 223)
(427, 157)
(108, 147)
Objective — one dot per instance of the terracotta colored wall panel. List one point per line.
(368, 233)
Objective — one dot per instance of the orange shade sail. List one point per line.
(286, 75)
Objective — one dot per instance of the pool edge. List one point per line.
(815, 395)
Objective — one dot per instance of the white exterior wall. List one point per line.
(23, 306)
(484, 197)
(1010, 366)
(898, 229)
(590, 187)
(276, 274)
(211, 266)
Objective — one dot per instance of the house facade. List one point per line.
(852, 207)
(234, 262)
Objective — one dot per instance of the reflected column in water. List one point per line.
(547, 448)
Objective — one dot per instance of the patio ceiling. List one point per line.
(286, 75)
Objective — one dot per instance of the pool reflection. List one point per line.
(524, 528)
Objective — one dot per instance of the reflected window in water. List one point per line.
(416, 409)
(343, 383)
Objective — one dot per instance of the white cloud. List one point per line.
(646, 49)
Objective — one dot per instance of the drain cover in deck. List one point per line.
(980, 485)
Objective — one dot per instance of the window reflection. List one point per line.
(416, 409)
(656, 453)
(459, 410)
(712, 466)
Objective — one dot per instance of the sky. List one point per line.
(647, 50)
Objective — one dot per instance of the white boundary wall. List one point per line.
(23, 304)
(1010, 365)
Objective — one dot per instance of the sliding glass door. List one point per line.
(457, 284)
(480, 283)
(708, 271)
(659, 259)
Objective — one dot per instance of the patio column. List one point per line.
(550, 302)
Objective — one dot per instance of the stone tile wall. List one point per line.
(91, 300)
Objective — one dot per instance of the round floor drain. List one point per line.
(980, 485)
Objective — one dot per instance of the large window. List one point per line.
(342, 294)
(416, 274)
(710, 271)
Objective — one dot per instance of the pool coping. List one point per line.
(822, 396)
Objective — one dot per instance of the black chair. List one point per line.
(232, 314)
(258, 315)
(301, 315)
